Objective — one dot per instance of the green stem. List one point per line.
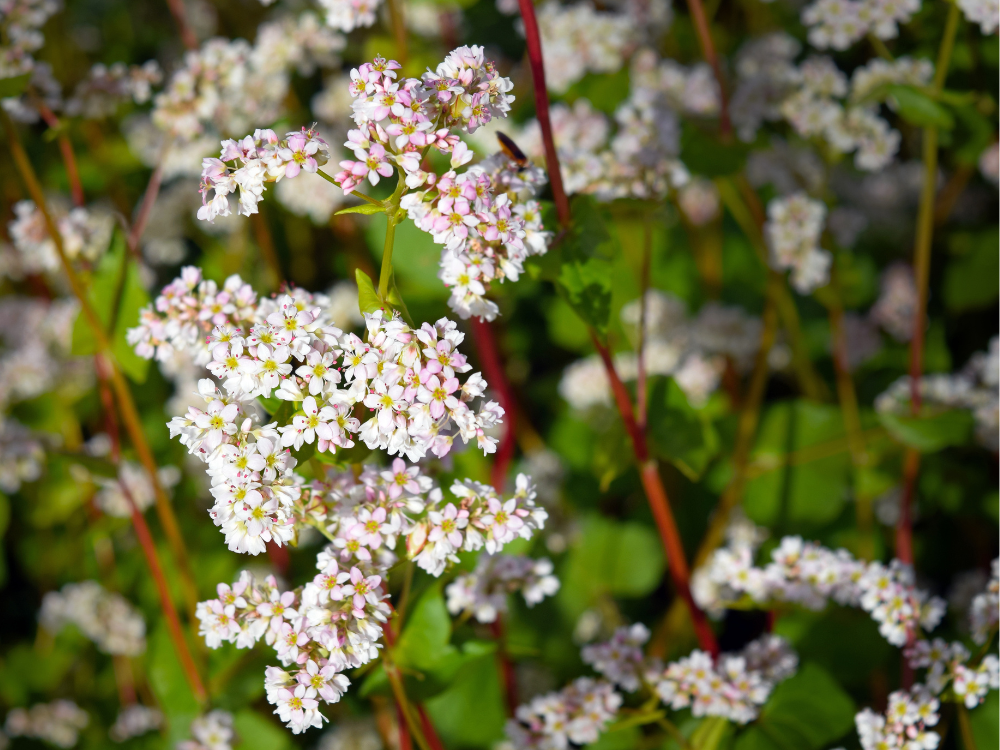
(392, 218)
(965, 727)
(362, 196)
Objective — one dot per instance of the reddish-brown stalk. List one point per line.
(656, 494)
(179, 12)
(145, 209)
(533, 40)
(69, 158)
(496, 377)
(704, 33)
(425, 722)
(659, 503)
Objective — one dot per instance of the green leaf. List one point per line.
(368, 209)
(166, 678)
(705, 155)
(805, 494)
(470, 712)
(679, 433)
(424, 640)
(621, 559)
(984, 720)
(256, 732)
(584, 278)
(918, 108)
(806, 712)
(116, 293)
(970, 280)
(930, 432)
(368, 301)
(713, 733)
(14, 86)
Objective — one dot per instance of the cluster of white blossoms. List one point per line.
(949, 665)
(258, 158)
(905, 723)
(333, 623)
(838, 24)
(734, 688)
(483, 593)
(577, 714)
(86, 234)
(793, 229)
(106, 618)
(213, 731)
(578, 39)
(641, 159)
(21, 22)
(973, 388)
(893, 310)
(228, 86)
(984, 12)
(105, 87)
(485, 216)
(58, 723)
(692, 350)
(135, 720)
(620, 658)
(347, 15)
(985, 610)
(810, 575)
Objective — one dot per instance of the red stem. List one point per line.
(701, 28)
(659, 504)
(404, 731)
(507, 673)
(69, 158)
(179, 13)
(145, 210)
(534, 44)
(429, 733)
(489, 354)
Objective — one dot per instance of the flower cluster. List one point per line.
(735, 688)
(905, 724)
(347, 15)
(841, 23)
(808, 574)
(260, 158)
(57, 723)
(950, 665)
(21, 22)
(133, 479)
(483, 593)
(22, 455)
(105, 88)
(641, 159)
(85, 234)
(134, 721)
(576, 714)
(620, 659)
(102, 616)
(893, 311)
(793, 229)
(973, 388)
(213, 731)
(984, 613)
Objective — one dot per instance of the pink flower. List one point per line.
(369, 527)
(448, 525)
(438, 395)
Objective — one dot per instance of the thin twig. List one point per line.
(179, 12)
(641, 389)
(704, 34)
(496, 376)
(69, 158)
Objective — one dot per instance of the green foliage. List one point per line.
(368, 301)
(117, 295)
(970, 280)
(14, 85)
(917, 108)
(167, 681)
(932, 430)
(679, 433)
(798, 495)
(586, 252)
(258, 733)
(708, 155)
(805, 712)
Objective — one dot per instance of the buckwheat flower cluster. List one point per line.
(985, 610)
(85, 234)
(213, 731)
(793, 229)
(58, 723)
(577, 714)
(247, 164)
(893, 310)
(577, 39)
(973, 388)
(983, 12)
(847, 118)
(347, 15)
(187, 310)
(949, 665)
(838, 24)
(766, 75)
(810, 575)
(104, 88)
(620, 659)
(483, 593)
(111, 498)
(102, 616)
(134, 721)
(905, 724)
(735, 688)
(21, 22)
